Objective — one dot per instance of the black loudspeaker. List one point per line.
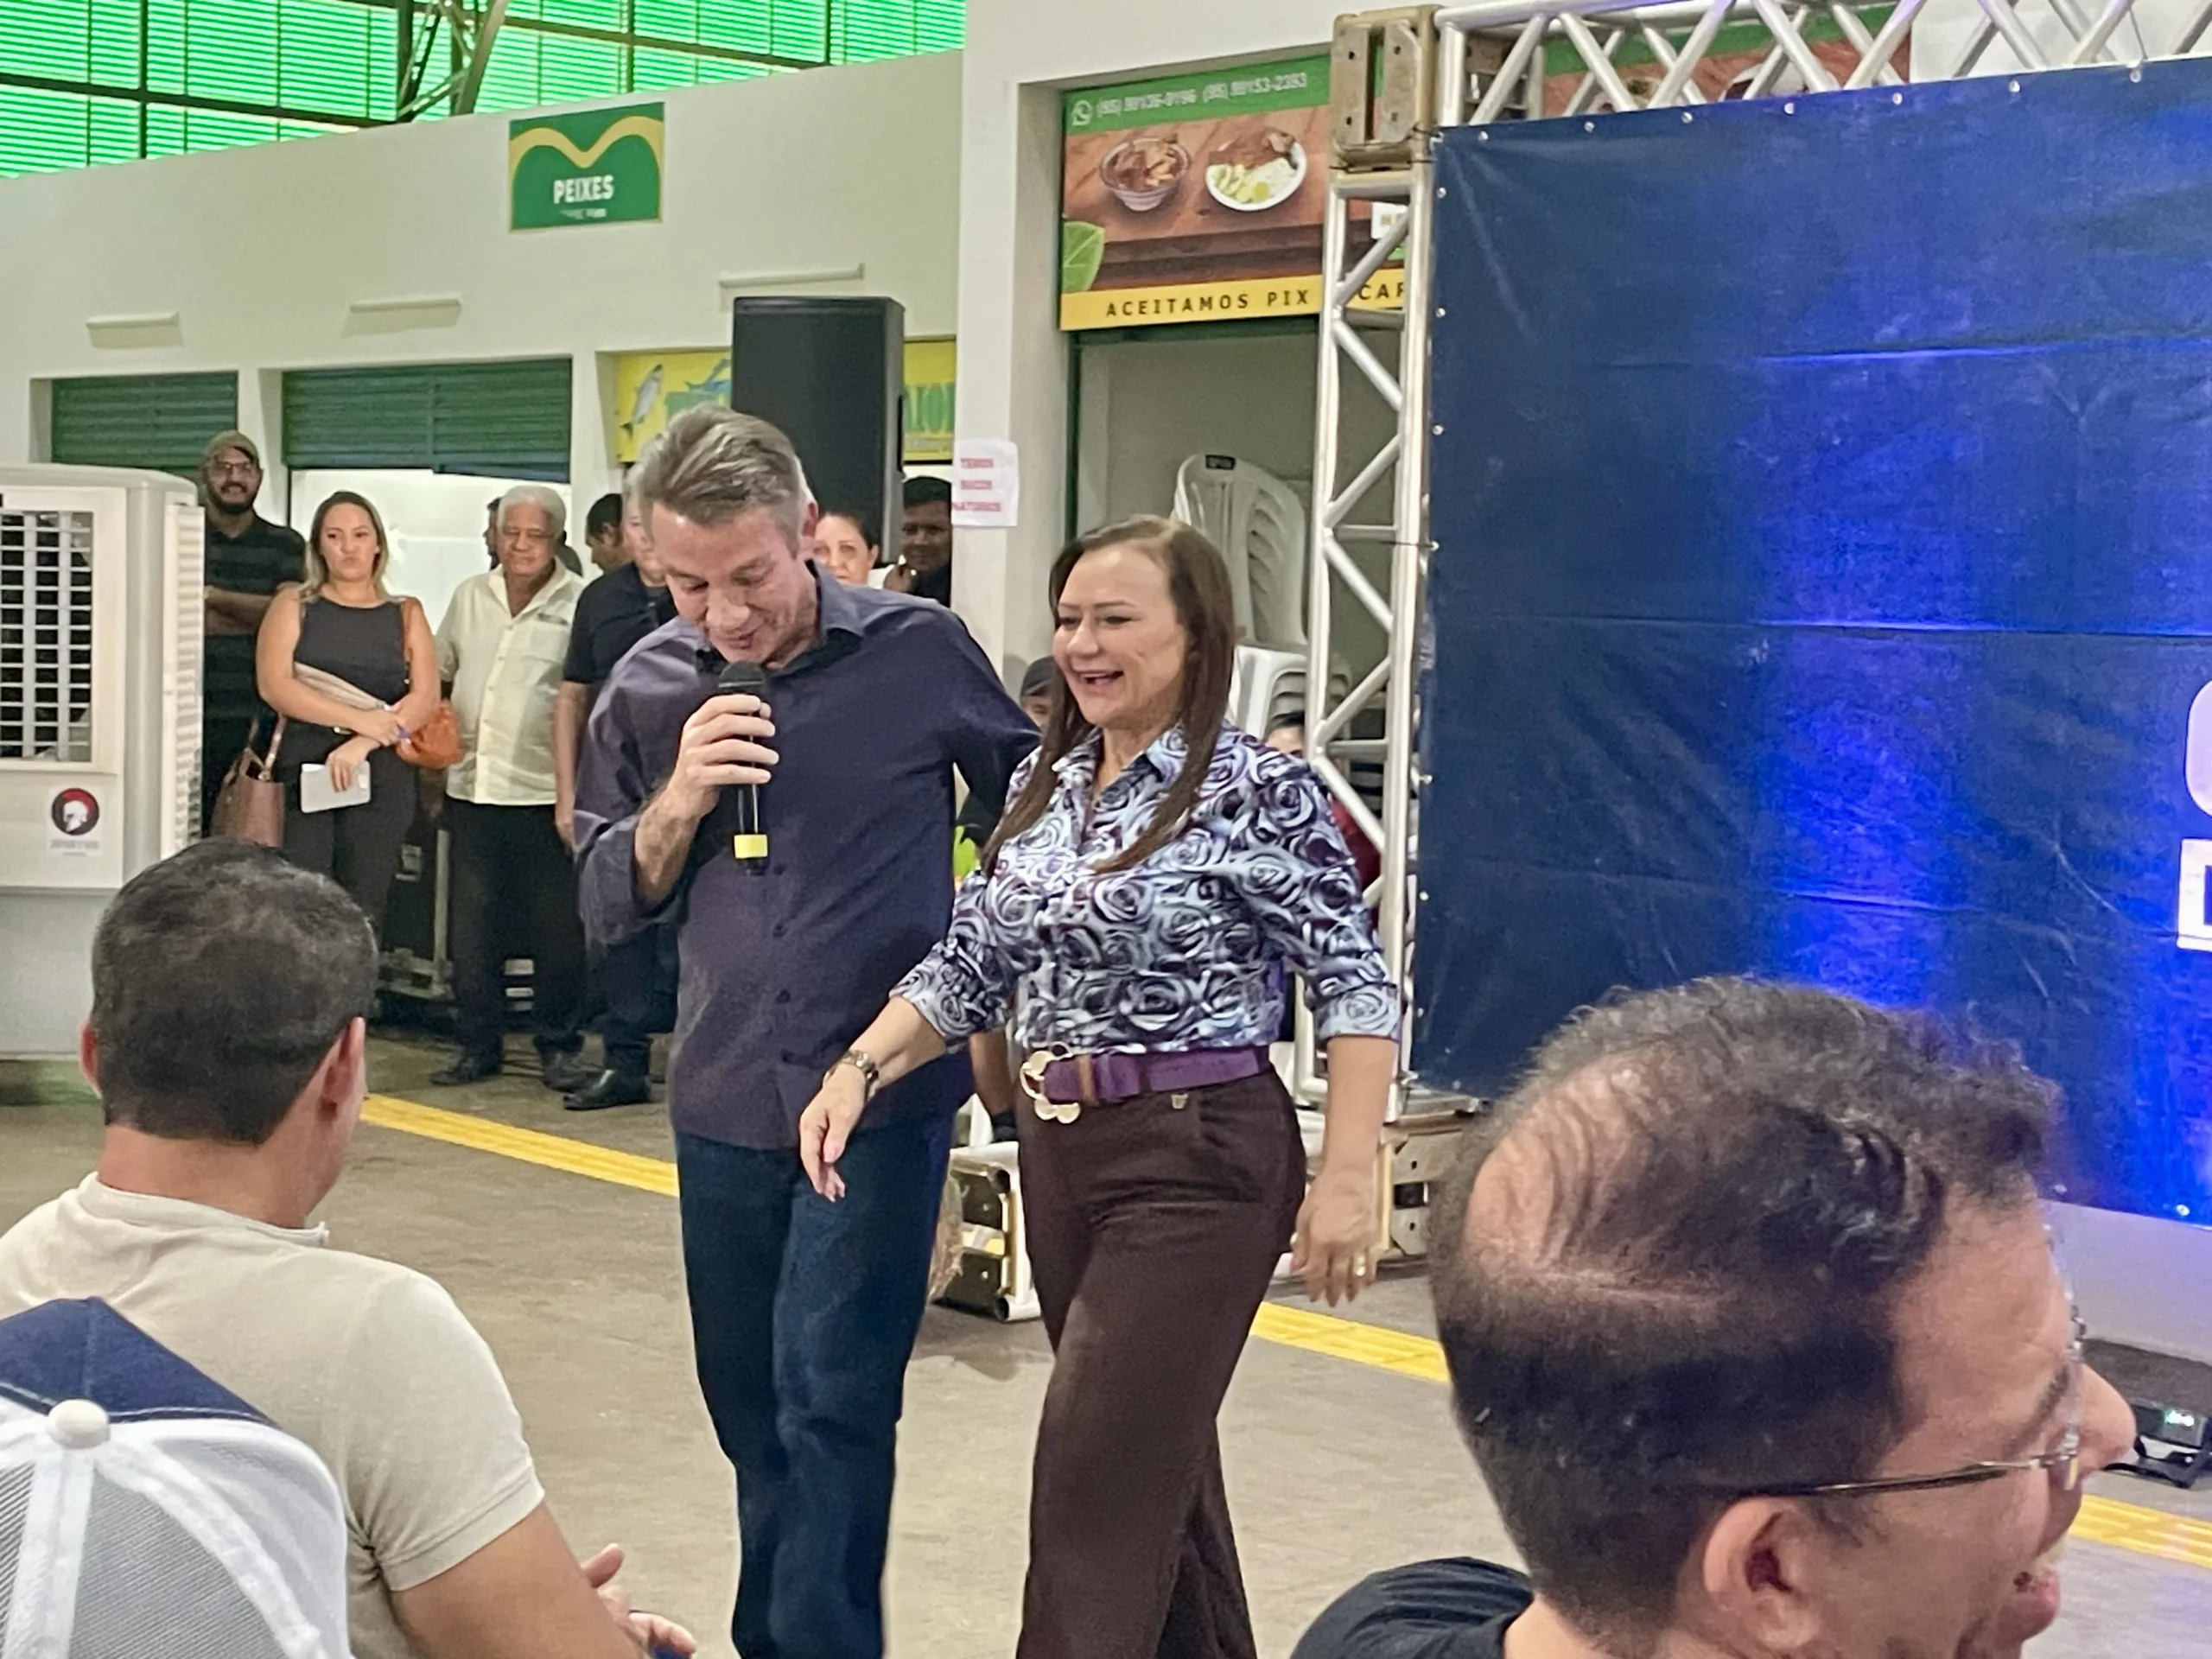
(831, 373)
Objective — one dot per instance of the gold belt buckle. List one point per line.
(1033, 1085)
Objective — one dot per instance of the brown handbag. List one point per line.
(250, 807)
(437, 746)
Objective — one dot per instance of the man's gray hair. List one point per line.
(713, 464)
(547, 501)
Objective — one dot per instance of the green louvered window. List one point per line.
(87, 82)
(496, 419)
(161, 421)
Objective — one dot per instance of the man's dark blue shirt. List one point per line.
(786, 960)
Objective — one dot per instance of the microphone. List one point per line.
(749, 844)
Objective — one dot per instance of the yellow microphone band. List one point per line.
(747, 847)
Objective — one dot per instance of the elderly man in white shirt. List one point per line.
(500, 647)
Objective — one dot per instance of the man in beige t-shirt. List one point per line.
(226, 1040)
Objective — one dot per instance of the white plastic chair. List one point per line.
(1259, 525)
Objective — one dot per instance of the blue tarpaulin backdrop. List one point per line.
(1824, 576)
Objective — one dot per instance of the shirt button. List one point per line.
(777, 932)
(775, 869)
(782, 996)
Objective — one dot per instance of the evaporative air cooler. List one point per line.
(100, 629)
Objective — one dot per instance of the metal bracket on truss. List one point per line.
(469, 29)
(1381, 87)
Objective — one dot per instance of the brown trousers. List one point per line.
(1152, 1228)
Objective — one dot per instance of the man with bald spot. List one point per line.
(1756, 1335)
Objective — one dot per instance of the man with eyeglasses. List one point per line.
(1759, 1342)
(248, 559)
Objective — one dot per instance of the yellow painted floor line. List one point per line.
(2103, 1520)
(526, 1146)
(1352, 1339)
(2147, 1532)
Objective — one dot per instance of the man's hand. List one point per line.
(651, 1632)
(564, 819)
(721, 746)
(526, 1595)
(827, 1124)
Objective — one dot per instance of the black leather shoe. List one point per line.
(610, 1089)
(564, 1073)
(469, 1068)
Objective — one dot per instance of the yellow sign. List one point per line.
(1256, 297)
(651, 387)
(929, 378)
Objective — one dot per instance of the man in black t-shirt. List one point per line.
(1755, 1329)
(248, 558)
(1432, 1609)
(634, 982)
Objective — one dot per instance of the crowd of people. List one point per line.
(1751, 1319)
(312, 661)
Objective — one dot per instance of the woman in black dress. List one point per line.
(342, 625)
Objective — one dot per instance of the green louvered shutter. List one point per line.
(496, 420)
(161, 421)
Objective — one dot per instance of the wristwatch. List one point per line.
(863, 1062)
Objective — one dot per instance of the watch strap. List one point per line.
(864, 1063)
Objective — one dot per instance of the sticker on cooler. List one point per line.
(74, 814)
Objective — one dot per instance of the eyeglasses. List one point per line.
(231, 469)
(2065, 1460)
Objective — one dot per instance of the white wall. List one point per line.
(260, 251)
(1012, 360)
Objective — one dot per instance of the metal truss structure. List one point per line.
(466, 30)
(1398, 78)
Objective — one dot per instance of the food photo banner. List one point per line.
(1198, 198)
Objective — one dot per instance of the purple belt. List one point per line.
(1102, 1079)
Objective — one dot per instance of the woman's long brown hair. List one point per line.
(1197, 582)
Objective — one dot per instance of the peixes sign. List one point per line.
(592, 166)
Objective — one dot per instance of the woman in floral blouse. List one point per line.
(1156, 879)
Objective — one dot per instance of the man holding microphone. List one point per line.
(791, 935)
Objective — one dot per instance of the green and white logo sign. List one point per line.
(600, 167)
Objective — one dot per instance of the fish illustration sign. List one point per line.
(595, 167)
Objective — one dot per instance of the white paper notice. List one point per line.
(986, 484)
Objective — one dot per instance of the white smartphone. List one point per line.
(317, 796)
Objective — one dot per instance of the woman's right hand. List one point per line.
(379, 726)
(344, 760)
(827, 1124)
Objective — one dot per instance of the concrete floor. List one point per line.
(1335, 1468)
